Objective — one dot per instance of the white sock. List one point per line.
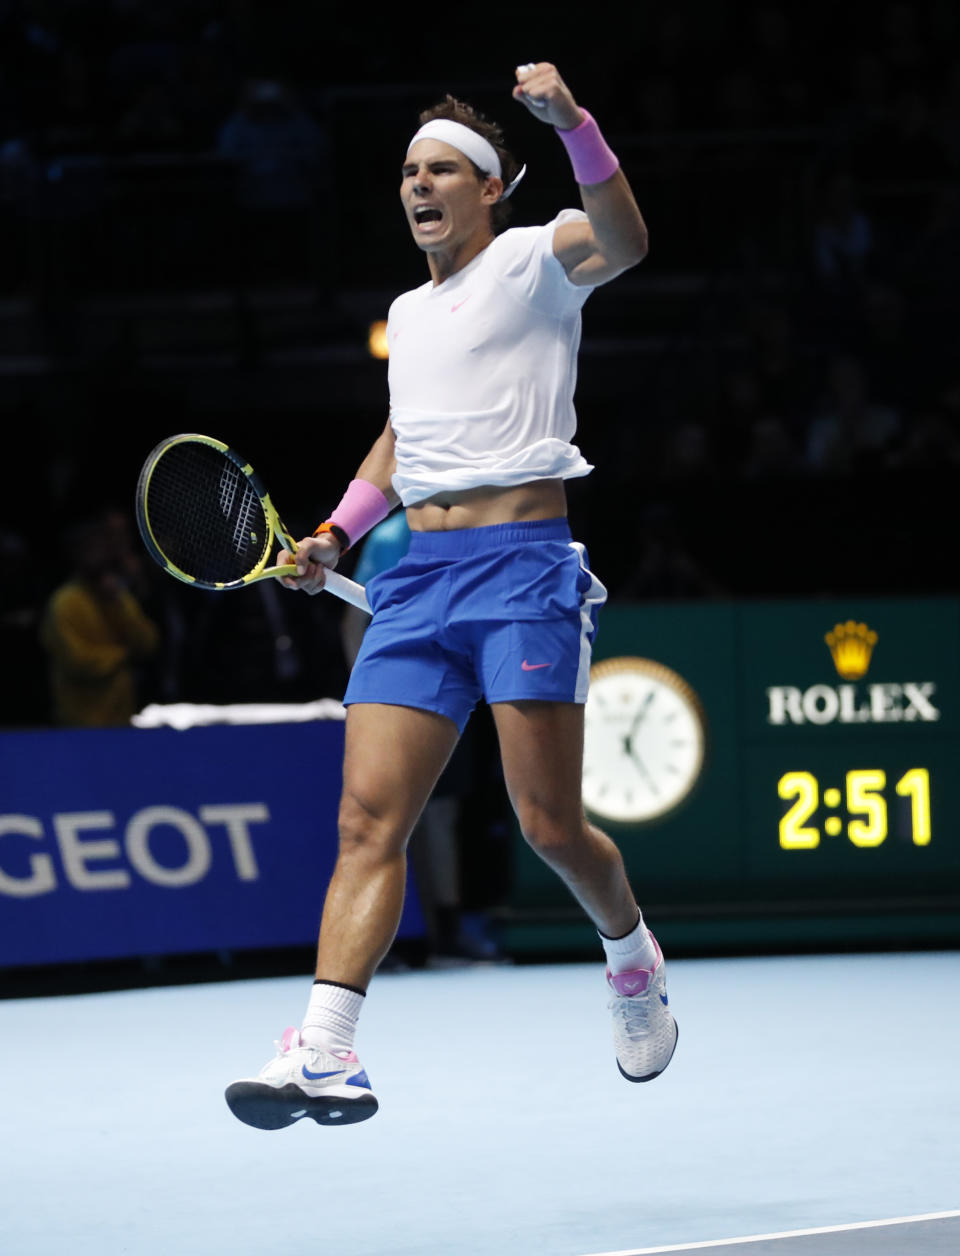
(332, 1015)
(634, 950)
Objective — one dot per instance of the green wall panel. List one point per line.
(827, 807)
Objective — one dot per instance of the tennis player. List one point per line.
(494, 599)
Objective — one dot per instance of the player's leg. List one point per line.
(393, 757)
(541, 745)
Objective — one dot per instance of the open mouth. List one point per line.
(426, 213)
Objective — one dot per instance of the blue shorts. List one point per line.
(506, 613)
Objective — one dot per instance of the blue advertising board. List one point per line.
(126, 842)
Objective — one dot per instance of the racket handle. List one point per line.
(347, 590)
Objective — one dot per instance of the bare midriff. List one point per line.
(489, 504)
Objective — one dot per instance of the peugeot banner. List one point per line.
(124, 842)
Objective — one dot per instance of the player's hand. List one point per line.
(546, 95)
(314, 556)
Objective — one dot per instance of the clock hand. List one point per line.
(641, 714)
(641, 768)
(637, 721)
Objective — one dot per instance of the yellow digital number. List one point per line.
(863, 796)
(915, 785)
(793, 833)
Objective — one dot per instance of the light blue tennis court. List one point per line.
(805, 1092)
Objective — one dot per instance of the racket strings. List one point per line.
(205, 515)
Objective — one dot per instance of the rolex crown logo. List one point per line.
(851, 645)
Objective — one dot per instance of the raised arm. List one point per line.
(615, 236)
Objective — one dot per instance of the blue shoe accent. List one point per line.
(359, 1079)
(315, 1077)
(664, 1000)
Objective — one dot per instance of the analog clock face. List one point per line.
(645, 738)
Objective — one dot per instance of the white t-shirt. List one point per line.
(483, 368)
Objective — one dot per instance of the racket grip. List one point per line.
(347, 590)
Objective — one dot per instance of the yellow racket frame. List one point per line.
(340, 586)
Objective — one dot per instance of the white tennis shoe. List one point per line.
(329, 1087)
(644, 1031)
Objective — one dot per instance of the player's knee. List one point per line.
(363, 832)
(556, 838)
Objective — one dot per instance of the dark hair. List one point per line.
(458, 111)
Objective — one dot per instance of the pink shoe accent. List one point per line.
(631, 983)
(636, 980)
(290, 1039)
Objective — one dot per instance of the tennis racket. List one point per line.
(206, 517)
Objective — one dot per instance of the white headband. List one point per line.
(480, 151)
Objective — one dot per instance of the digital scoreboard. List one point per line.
(778, 771)
(864, 800)
(849, 742)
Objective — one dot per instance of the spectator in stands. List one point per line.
(779, 54)
(930, 442)
(931, 256)
(261, 645)
(740, 406)
(894, 346)
(852, 430)
(738, 105)
(75, 124)
(901, 43)
(206, 90)
(905, 144)
(24, 700)
(843, 235)
(278, 145)
(866, 100)
(771, 450)
(776, 358)
(688, 452)
(95, 633)
(148, 50)
(948, 116)
(664, 566)
(914, 148)
(151, 123)
(659, 105)
(279, 150)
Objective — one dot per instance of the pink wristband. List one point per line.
(589, 153)
(361, 508)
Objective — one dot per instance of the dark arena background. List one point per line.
(199, 231)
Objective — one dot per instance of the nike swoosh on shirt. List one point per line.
(454, 308)
(533, 667)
